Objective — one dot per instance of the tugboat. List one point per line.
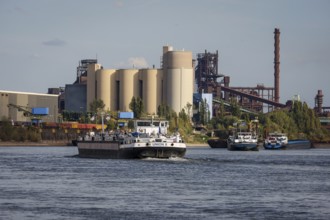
(150, 140)
(275, 141)
(244, 140)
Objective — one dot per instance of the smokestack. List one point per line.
(277, 64)
(319, 101)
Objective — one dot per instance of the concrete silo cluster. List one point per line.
(171, 85)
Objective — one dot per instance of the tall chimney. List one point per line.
(319, 101)
(277, 64)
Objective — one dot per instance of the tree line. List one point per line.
(299, 121)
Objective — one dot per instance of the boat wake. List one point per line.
(166, 159)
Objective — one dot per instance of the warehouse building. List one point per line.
(26, 107)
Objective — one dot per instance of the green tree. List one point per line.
(204, 112)
(6, 129)
(188, 109)
(235, 108)
(136, 105)
(298, 122)
(96, 106)
(280, 121)
(130, 124)
(221, 110)
(111, 124)
(164, 111)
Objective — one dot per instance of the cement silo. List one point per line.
(151, 89)
(179, 79)
(127, 84)
(106, 87)
(171, 85)
(91, 83)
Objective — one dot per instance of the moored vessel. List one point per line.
(276, 141)
(217, 143)
(218, 139)
(244, 140)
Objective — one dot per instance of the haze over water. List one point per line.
(51, 183)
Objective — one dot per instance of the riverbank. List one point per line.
(321, 145)
(63, 143)
(69, 144)
(29, 144)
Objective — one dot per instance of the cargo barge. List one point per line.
(150, 140)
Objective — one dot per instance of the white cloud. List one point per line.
(132, 62)
(137, 62)
(54, 42)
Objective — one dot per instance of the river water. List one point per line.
(52, 183)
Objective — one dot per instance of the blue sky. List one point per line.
(42, 41)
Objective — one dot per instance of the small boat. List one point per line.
(275, 141)
(243, 141)
(122, 145)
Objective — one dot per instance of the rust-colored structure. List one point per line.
(319, 108)
(258, 98)
(207, 76)
(277, 64)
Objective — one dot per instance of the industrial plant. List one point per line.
(180, 80)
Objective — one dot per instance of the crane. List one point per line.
(27, 112)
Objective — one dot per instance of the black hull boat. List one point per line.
(243, 141)
(243, 147)
(217, 143)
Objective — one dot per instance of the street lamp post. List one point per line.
(102, 119)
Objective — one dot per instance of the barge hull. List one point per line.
(133, 153)
(113, 150)
(217, 143)
(243, 147)
(298, 144)
(274, 146)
